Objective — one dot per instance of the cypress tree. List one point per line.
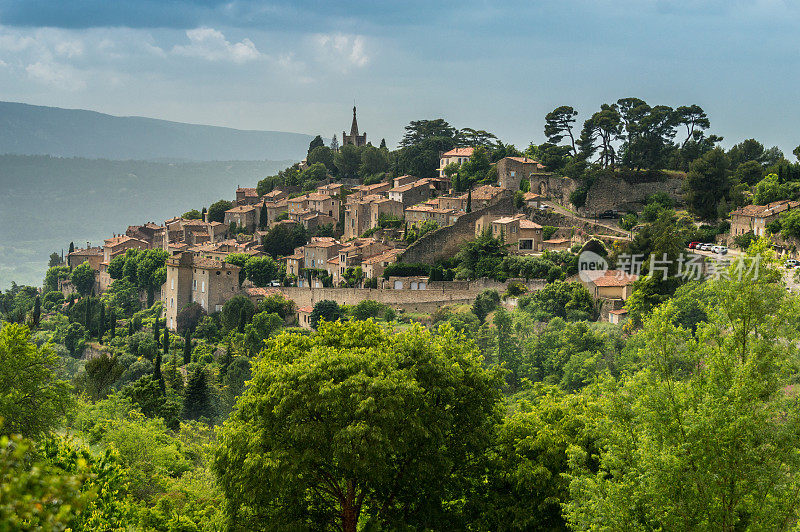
(187, 348)
(196, 400)
(112, 322)
(469, 200)
(226, 359)
(262, 221)
(71, 247)
(37, 312)
(157, 376)
(165, 345)
(156, 333)
(130, 327)
(173, 376)
(150, 296)
(87, 305)
(203, 214)
(101, 325)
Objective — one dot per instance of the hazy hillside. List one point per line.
(48, 201)
(35, 130)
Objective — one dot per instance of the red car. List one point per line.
(693, 245)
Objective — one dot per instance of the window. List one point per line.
(172, 284)
(203, 286)
(172, 302)
(194, 284)
(526, 244)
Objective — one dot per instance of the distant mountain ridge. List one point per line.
(37, 130)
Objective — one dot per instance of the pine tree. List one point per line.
(383, 143)
(196, 400)
(101, 325)
(156, 335)
(187, 348)
(334, 144)
(469, 200)
(37, 312)
(165, 345)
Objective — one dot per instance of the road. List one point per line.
(616, 230)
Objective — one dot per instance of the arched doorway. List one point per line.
(543, 188)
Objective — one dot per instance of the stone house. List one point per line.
(363, 214)
(92, 255)
(150, 232)
(456, 155)
(755, 218)
(352, 255)
(407, 283)
(274, 210)
(304, 317)
(423, 213)
(523, 235)
(294, 262)
(331, 189)
(403, 180)
(410, 193)
(455, 203)
(488, 195)
(617, 316)
(191, 278)
(613, 284)
(313, 219)
(512, 170)
(362, 191)
(247, 196)
(317, 252)
(533, 200)
(246, 216)
(374, 266)
(275, 195)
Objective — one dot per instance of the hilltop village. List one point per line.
(357, 241)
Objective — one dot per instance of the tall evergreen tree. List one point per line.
(37, 312)
(203, 214)
(196, 397)
(156, 333)
(165, 345)
(71, 247)
(187, 347)
(227, 358)
(157, 376)
(87, 314)
(101, 323)
(383, 143)
(469, 200)
(112, 322)
(263, 220)
(173, 376)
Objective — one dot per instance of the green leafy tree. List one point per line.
(322, 155)
(277, 304)
(33, 399)
(53, 276)
(486, 302)
(261, 270)
(193, 214)
(347, 161)
(283, 239)
(101, 373)
(373, 161)
(232, 309)
(344, 419)
(83, 279)
(239, 259)
(315, 143)
(326, 310)
(705, 436)
(216, 213)
(707, 184)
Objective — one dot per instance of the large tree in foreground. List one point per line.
(33, 400)
(356, 425)
(706, 436)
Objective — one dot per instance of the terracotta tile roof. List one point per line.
(248, 191)
(531, 196)
(306, 310)
(408, 186)
(459, 152)
(615, 278)
(258, 291)
(527, 224)
(389, 254)
(121, 239)
(620, 312)
(242, 208)
(485, 192)
(334, 260)
(558, 241)
(83, 252)
(766, 210)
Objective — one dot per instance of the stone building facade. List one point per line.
(191, 278)
(512, 170)
(354, 138)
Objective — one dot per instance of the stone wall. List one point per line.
(613, 192)
(427, 300)
(554, 187)
(446, 241)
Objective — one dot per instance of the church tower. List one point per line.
(354, 138)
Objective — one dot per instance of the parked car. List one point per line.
(608, 215)
(791, 263)
(714, 249)
(544, 207)
(722, 250)
(693, 245)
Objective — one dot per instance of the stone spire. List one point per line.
(354, 127)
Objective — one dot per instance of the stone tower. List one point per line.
(354, 138)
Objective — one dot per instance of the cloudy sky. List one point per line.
(501, 66)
